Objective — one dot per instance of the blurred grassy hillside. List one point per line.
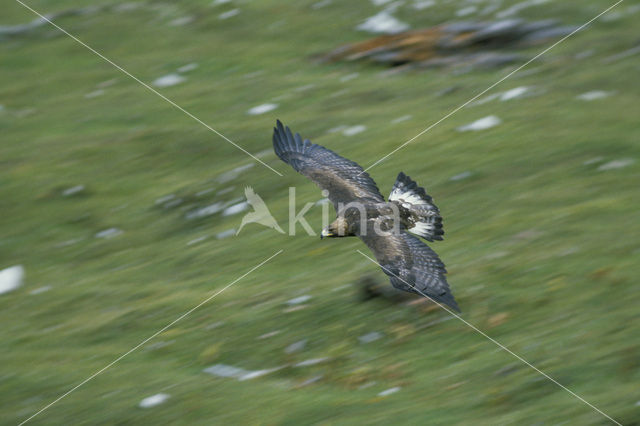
(541, 221)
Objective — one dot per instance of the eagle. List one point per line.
(362, 211)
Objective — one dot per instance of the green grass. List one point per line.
(534, 235)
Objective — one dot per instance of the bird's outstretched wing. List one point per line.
(411, 265)
(345, 180)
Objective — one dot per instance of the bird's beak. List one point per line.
(325, 233)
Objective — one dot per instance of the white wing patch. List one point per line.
(407, 196)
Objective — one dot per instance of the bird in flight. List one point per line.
(382, 225)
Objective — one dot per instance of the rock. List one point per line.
(296, 346)
(593, 95)
(370, 337)
(223, 370)
(465, 11)
(389, 391)
(423, 4)
(514, 93)
(460, 176)
(349, 77)
(310, 362)
(481, 124)
(354, 130)
(617, 164)
(229, 14)
(298, 300)
(73, 190)
(233, 173)
(226, 234)
(383, 22)
(183, 20)
(622, 55)
(153, 400)
(401, 119)
(109, 233)
(206, 211)
(321, 4)
(269, 334)
(460, 44)
(197, 240)
(188, 67)
(94, 94)
(169, 80)
(518, 7)
(593, 160)
(235, 209)
(11, 278)
(40, 290)
(261, 109)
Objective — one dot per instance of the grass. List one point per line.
(542, 248)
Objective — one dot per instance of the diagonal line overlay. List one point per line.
(150, 88)
(150, 337)
(500, 345)
(494, 85)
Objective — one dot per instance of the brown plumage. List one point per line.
(382, 225)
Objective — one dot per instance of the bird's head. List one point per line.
(337, 228)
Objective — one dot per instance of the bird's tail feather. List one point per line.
(424, 216)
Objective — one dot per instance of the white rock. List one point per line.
(617, 164)
(261, 109)
(235, 209)
(514, 93)
(11, 278)
(164, 199)
(73, 190)
(460, 176)
(423, 4)
(168, 80)
(223, 370)
(354, 130)
(109, 233)
(298, 300)
(183, 20)
(518, 7)
(228, 14)
(189, 67)
(153, 400)
(39, 290)
(310, 362)
(593, 95)
(226, 234)
(481, 124)
(206, 211)
(197, 240)
(269, 334)
(94, 94)
(296, 346)
(593, 160)
(234, 173)
(466, 11)
(389, 391)
(401, 119)
(383, 22)
(370, 337)
(348, 77)
(219, 2)
(321, 4)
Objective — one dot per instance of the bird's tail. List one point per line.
(424, 216)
